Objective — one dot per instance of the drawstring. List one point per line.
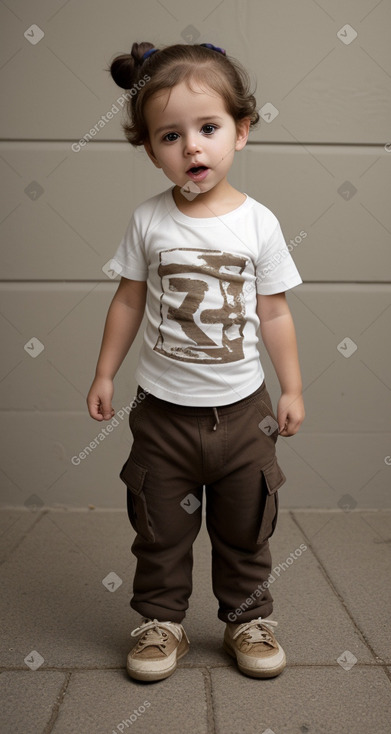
(217, 419)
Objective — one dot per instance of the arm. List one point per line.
(122, 324)
(279, 337)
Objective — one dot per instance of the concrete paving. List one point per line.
(66, 580)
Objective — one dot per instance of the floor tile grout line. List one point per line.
(208, 691)
(384, 665)
(102, 510)
(339, 596)
(387, 672)
(22, 538)
(57, 705)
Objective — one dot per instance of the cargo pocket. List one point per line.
(133, 475)
(272, 479)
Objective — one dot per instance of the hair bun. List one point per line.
(139, 49)
(124, 68)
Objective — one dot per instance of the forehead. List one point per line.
(183, 100)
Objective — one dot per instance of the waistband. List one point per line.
(201, 410)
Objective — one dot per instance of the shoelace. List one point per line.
(154, 634)
(254, 631)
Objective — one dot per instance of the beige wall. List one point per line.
(321, 165)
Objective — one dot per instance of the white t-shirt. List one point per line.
(200, 341)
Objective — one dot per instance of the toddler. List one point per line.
(209, 267)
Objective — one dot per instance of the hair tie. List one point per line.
(214, 48)
(149, 53)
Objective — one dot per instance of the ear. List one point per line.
(242, 133)
(148, 148)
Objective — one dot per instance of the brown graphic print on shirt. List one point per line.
(202, 305)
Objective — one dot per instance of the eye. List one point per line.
(208, 128)
(169, 139)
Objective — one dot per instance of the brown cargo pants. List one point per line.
(177, 450)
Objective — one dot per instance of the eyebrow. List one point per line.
(176, 124)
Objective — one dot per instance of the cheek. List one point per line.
(228, 148)
(171, 154)
(228, 141)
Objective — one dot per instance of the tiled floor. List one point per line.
(65, 635)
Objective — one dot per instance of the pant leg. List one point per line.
(241, 512)
(161, 473)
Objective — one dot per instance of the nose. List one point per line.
(192, 145)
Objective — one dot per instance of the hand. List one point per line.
(290, 414)
(99, 399)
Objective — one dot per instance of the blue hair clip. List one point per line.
(214, 48)
(149, 53)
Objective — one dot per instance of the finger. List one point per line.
(94, 409)
(106, 410)
(282, 423)
(291, 427)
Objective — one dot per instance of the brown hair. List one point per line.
(171, 65)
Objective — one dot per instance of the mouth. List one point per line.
(197, 173)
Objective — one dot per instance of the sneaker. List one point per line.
(156, 654)
(255, 648)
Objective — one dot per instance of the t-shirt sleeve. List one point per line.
(129, 260)
(275, 269)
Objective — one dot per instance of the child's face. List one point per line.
(188, 128)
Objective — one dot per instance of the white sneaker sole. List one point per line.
(256, 672)
(156, 673)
